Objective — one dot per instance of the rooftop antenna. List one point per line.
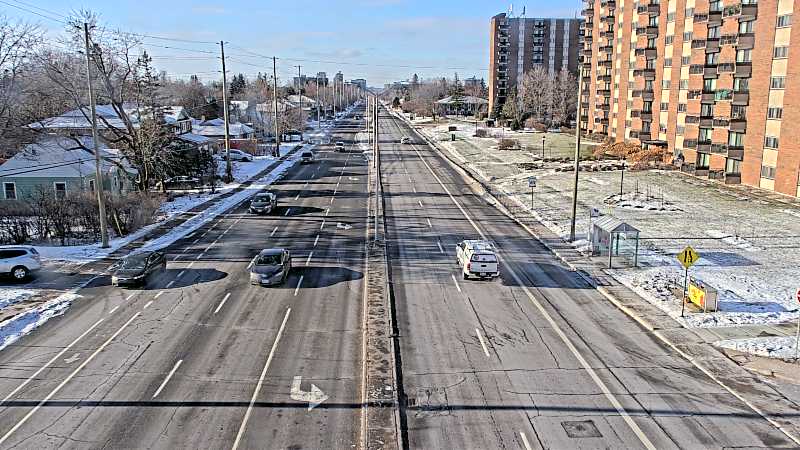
(522, 16)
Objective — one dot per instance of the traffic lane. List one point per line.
(610, 329)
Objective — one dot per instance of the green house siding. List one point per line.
(26, 187)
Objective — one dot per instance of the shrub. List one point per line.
(481, 133)
(15, 222)
(508, 144)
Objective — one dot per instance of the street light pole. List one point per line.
(228, 167)
(577, 157)
(300, 96)
(275, 102)
(98, 175)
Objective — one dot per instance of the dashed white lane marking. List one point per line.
(52, 360)
(130, 296)
(299, 282)
(420, 203)
(181, 273)
(308, 260)
(177, 257)
(414, 189)
(111, 311)
(297, 197)
(190, 265)
(159, 294)
(67, 379)
(196, 241)
(227, 296)
(147, 305)
(525, 441)
(316, 241)
(260, 382)
(439, 243)
(273, 232)
(185, 250)
(456, 282)
(169, 375)
(327, 211)
(333, 197)
(483, 343)
(323, 224)
(430, 225)
(201, 255)
(225, 232)
(287, 212)
(169, 285)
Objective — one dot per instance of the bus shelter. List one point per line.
(612, 237)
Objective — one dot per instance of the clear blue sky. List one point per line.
(433, 33)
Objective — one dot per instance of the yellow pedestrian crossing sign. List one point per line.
(688, 257)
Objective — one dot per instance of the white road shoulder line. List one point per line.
(567, 342)
(525, 441)
(147, 305)
(66, 380)
(227, 296)
(299, 283)
(308, 260)
(111, 311)
(430, 225)
(441, 250)
(249, 411)
(483, 343)
(287, 212)
(456, 282)
(159, 294)
(316, 241)
(169, 375)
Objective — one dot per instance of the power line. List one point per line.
(22, 8)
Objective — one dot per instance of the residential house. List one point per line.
(465, 105)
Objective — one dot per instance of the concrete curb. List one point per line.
(793, 435)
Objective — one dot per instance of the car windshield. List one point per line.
(307, 155)
(263, 198)
(268, 260)
(134, 262)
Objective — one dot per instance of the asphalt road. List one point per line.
(199, 358)
(536, 358)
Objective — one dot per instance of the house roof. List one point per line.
(613, 225)
(467, 100)
(295, 100)
(58, 157)
(194, 138)
(107, 117)
(216, 127)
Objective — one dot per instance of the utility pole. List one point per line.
(228, 167)
(319, 126)
(300, 95)
(275, 103)
(98, 173)
(334, 99)
(577, 157)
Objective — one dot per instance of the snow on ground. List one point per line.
(783, 347)
(747, 245)
(11, 330)
(10, 296)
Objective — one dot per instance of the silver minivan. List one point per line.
(19, 261)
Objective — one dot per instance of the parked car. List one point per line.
(238, 155)
(136, 268)
(19, 261)
(340, 147)
(270, 267)
(405, 140)
(182, 182)
(306, 157)
(477, 258)
(263, 203)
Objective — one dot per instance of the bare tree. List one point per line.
(564, 87)
(536, 93)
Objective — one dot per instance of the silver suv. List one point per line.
(19, 261)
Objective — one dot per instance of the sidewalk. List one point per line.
(774, 401)
(49, 296)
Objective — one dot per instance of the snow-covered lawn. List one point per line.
(748, 246)
(782, 347)
(12, 329)
(10, 296)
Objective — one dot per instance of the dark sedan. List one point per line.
(135, 269)
(270, 267)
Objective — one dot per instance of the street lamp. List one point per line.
(543, 140)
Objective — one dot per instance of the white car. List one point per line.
(340, 147)
(306, 157)
(19, 261)
(477, 259)
(238, 155)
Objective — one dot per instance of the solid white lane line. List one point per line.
(159, 294)
(66, 380)
(225, 232)
(308, 260)
(52, 360)
(483, 343)
(441, 250)
(327, 211)
(420, 203)
(287, 212)
(333, 197)
(190, 265)
(525, 441)
(169, 375)
(299, 282)
(323, 224)
(430, 225)
(249, 411)
(567, 342)
(177, 257)
(227, 296)
(456, 282)
(147, 305)
(111, 311)
(316, 240)
(196, 241)
(273, 232)
(169, 285)
(185, 250)
(181, 273)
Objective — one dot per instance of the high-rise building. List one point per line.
(322, 77)
(518, 44)
(680, 74)
(338, 79)
(360, 82)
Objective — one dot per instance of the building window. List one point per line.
(664, 106)
(61, 189)
(680, 129)
(715, 5)
(684, 84)
(671, 17)
(777, 82)
(784, 20)
(735, 139)
(669, 39)
(774, 112)
(733, 166)
(768, 172)
(744, 56)
(713, 32)
(686, 60)
(687, 36)
(712, 58)
(770, 142)
(705, 135)
(707, 110)
(681, 107)
(667, 62)
(741, 84)
(689, 13)
(738, 111)
(703, 160)
(665, 84)
(780, 52)
(10, 191)
(746, 27)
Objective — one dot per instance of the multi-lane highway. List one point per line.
(199, 358)
(536, 358)
(202, 359)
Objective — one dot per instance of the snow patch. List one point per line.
(9, 296)
(13, 329)
(783, 347)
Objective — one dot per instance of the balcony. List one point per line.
(648, 74)
(708, 97)
(604, 78)
(706, 122)
(726, 68)
(646, 116)
(604, 92)
(692, 120)
(712, 45)
(733, 178)
(745, 41)
(714, 18)
(605, 63)
(698, 43)
(736, 152)
(723, 95)
(738, 125)
(741, 98)
(648, 96)
(749, 12)
(607, 48)
(604, 106)
(703, 147)
(744, 69)
(710, 71)
(588, 11)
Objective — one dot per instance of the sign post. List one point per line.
(797, 339)
(531, 184)
(688, 257)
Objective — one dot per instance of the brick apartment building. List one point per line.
(717, 82)
(518, 44)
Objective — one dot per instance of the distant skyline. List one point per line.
(380, 40)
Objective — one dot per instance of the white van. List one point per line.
(477, 259)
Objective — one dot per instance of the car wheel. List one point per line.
(466, 277)
(20, 273)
